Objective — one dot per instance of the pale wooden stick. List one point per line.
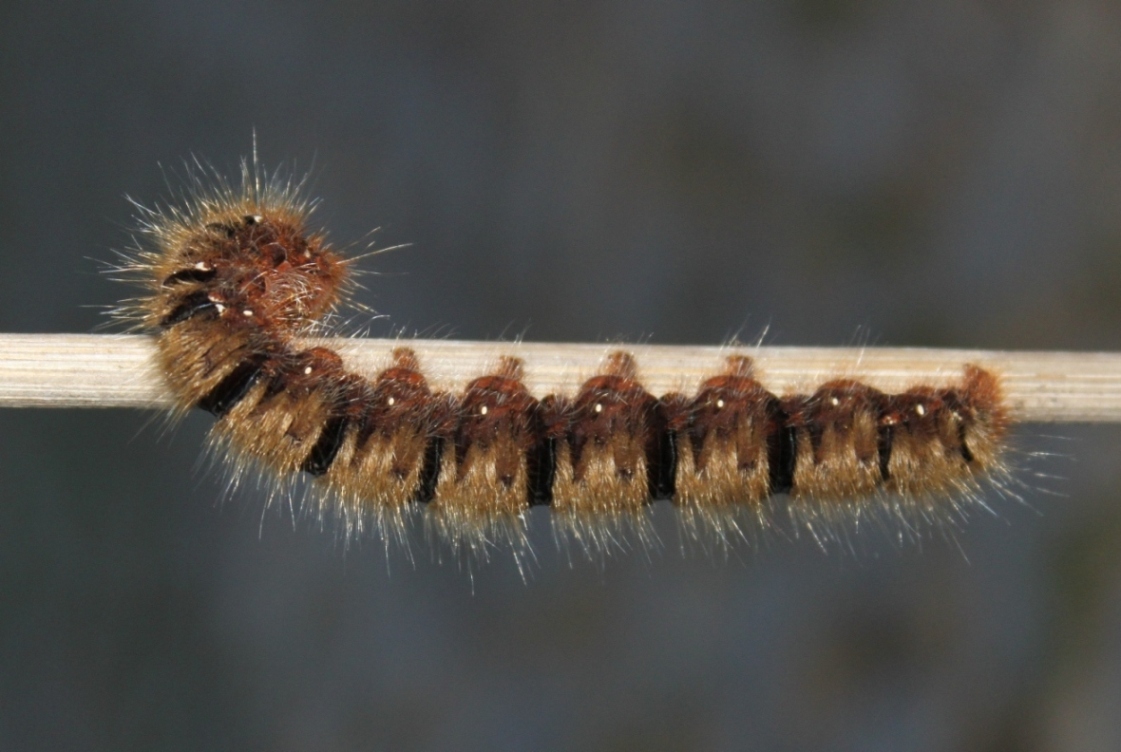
(84, 370)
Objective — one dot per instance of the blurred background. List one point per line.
(935, 173)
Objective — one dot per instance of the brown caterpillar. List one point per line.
(235, 278)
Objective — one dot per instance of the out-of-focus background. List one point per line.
(920, 173)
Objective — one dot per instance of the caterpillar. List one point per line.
(235, 281)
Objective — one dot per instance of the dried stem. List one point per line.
(83, 370)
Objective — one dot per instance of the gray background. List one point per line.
(924, 173)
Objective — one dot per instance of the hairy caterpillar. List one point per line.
(234, 280)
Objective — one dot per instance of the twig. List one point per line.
(83, 370)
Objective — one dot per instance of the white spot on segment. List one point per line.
(257, 218)
(391, 402)
(221, 308)
(920, 409)
(483, 410)
(308, 370)
(834, 401)
(599, 408)
(719, 404)
(247, 312)
(202, 266)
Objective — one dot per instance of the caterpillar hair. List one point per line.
(237, 287)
